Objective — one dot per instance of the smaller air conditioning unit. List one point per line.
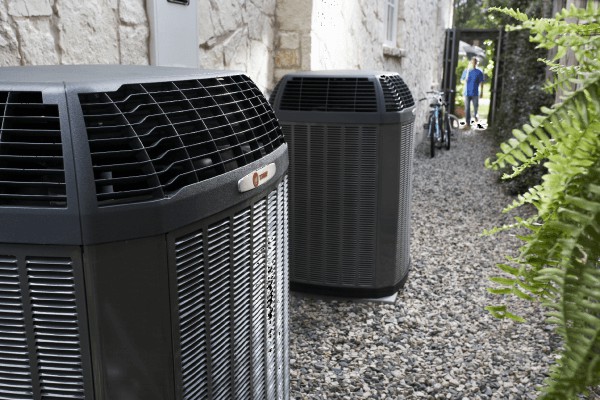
(351, 139)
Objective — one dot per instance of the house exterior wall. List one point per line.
(37, 32)
(293, 38)
(264, 38)
(238, 35)
(232, 34)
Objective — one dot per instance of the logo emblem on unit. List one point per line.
(256, 178)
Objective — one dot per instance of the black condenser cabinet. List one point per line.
(143, 237)
(351, 139)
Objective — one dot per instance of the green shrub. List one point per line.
(522, 92)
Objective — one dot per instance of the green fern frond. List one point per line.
(516, 14)
(502, 312)
(520, 223)
(535, 138)
(532, 196)
(579, 303)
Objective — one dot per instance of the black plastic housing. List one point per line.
(133, 267)
(351, 139)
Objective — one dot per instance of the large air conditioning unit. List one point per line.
(143, 236)
(351, 139)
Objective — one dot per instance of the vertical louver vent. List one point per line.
(335, 94)
(334, 203)
(147, 141)
(232, 304)
(54, 311)
(192, 319)
(219, 314)
(396, 94)
(40, 349)
(15, 374)
(403, 231)
(31, 156)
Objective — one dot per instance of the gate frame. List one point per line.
(450, 61)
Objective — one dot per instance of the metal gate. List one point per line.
(451, 58)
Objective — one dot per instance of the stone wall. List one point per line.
(421, 36)
(238, 35)
(264, 38)
(293, 38)
(347, 35)
(232, 34)
(35, 32)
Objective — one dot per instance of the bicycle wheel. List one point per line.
(439, 131)
(447, 131)
(431, 135)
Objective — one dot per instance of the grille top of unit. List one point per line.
(341, 92)
(151, 131)
(97, 142)
(31, 156)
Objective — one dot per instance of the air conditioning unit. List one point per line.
(351, 139)
(143, 245)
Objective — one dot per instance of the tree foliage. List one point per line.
(559, 262)
(474, 13)
(523, 83)
(470, 14)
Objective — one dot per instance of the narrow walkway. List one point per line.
(437, 341)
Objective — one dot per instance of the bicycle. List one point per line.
(439, 125)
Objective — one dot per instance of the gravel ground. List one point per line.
(436, 341)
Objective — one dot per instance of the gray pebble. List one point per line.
(436, 341)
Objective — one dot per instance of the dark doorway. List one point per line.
(451, 59)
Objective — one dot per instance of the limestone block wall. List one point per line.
(238, 35)
(421, 35)
(37, 32)
(347, 35)
(233, 34)
(293, 40)
(264, 38)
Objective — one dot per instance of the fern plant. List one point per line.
(559, 262)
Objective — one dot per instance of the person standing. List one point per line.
(473, 78)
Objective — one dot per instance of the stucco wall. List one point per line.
(36, 32)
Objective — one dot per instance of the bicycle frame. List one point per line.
(435, 113)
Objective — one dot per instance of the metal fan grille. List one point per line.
(232, 304)
(336, 94)
(31, 156)
(396, 94)
(149, 140)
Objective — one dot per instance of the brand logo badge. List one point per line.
(256, 178)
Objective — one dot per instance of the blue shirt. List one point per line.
(462, 78)
(474, 79)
